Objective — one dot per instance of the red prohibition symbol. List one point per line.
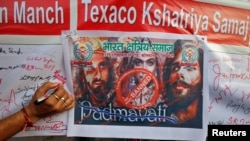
(137, 94)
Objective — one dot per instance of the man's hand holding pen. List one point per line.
(53, 98)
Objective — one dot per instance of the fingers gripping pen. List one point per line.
(46, 95)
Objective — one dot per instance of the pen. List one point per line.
(46, 95)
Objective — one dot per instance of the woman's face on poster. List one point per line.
(148, 63)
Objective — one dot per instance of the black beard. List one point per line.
(181, 102)
(97, 90)
(99, 93)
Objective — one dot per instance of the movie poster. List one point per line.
(135, 81)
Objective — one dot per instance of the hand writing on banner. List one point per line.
(35, 66)
(22, 120)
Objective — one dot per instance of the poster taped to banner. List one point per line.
(128, 84)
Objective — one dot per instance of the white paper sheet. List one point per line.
(23, 68)
(229, 91)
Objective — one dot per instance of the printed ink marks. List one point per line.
(83, 51)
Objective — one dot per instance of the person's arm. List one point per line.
(11, 125)
(57, 103)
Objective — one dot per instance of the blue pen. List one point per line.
(46, 95)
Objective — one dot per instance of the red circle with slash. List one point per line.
(126, 98)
